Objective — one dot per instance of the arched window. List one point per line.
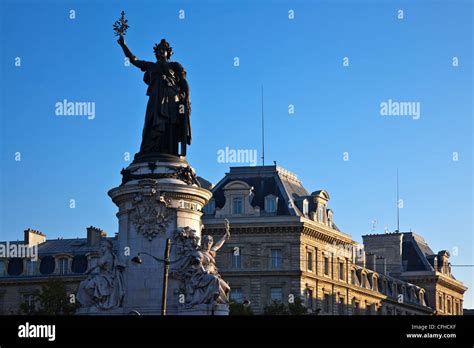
(47, 265)
(2, 268)
(79, 264)
(15, 266)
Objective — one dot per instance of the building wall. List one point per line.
(330, 294)
(15, 291)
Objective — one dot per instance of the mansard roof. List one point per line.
(266, 180)
(415, 253)
(71, 246)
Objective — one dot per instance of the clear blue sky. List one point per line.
(298, 61)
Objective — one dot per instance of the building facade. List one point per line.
(65, 259)
(285, 244)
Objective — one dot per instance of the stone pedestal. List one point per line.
(155, 199)
(205, 309)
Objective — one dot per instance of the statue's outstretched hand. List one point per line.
(121, 40)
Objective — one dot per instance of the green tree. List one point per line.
(236, 308)
(275, 308)
(297, 307)
(53, 299)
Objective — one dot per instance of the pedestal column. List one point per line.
(155, 199)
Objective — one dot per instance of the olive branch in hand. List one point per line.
(121, 26)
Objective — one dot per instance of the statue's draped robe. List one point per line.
(167, 120)
(105, 289)
(206, 283)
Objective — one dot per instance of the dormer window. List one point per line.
(271, 204)
(237, 205)
(321, 215)
(329, 215)
(305, 207)
(210, 207)
(238, 200)
(63, 265)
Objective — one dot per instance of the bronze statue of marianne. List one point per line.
(167, 128)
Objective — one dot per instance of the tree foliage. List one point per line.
(52, 299)
(295, 308)
(236, 308)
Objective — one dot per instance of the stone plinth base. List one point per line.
(205, 309)
(98, 311)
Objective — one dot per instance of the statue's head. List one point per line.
(163, 50)
(207, 242)
(106, 246)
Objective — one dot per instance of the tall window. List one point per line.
(309, 261)
(2, 268)
(271, 204)
(236, 295)
(276, 294)
(237, 206)
(327, 303)
(63, 265)
(326, 265)
(320, 214)
(356, 306)
(340, 306)
(330, 218)
(276, 258)
(341, 270)
(309, 298)
(30, 267)
(237, 258)
(210, 207)
(368, 308)
(305, 207)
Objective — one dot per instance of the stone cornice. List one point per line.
(280, 224)
(435, 277)
(450, 283)
(30, 280)
(122, 193)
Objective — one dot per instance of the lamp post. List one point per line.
(165, 277)
(166, 268)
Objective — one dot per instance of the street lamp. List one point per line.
(137, 259)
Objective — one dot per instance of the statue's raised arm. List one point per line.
(141, 64)
(167, 128)
(224, 238)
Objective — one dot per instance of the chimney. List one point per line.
(94, 235)
(370, 261)
(34, 237)
(389, 246)
(360, 258)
